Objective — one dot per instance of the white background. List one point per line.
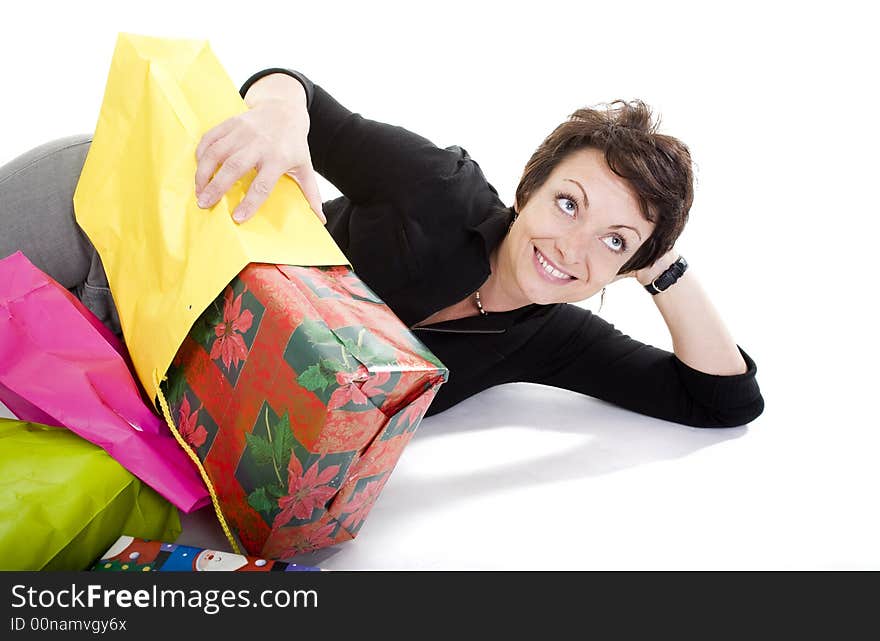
(777, 102)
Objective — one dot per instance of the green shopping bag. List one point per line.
(64, 501)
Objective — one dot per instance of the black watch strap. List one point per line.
(665, 280)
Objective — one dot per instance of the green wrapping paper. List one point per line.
(64, 501)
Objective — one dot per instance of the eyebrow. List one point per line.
(581, 187)
(627, 227)
(587, 201)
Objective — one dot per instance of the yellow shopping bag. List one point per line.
(166, 259)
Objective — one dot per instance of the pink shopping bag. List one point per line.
(60, 366)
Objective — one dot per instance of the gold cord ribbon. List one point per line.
(195, 459)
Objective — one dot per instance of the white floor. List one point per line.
(528, 477)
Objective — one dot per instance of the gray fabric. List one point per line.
(37, 217)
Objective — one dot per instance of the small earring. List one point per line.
(601, 300)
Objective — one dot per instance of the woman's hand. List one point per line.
(649, 273)
(272, 137)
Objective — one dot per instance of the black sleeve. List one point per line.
(367, 161)
(579, 351)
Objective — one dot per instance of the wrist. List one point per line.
(277, 86)
(669, 277)
(649, 274)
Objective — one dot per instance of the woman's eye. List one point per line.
(566, 203)
(615, 243)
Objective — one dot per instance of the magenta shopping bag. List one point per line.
(60, 366)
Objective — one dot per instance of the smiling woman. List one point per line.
(576, 243)
(487, 287)
(638, 169)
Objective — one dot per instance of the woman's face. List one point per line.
(584, 223)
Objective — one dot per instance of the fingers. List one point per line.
(213, 155)
(213, 135)
(259, 191)
(232, 169)
(240, 163)
(209, 139)
(308, 183)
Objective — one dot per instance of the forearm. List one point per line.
(700, 338)
(576, 350)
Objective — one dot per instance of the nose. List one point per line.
(572, 250)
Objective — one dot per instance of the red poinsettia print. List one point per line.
(322, 537)
(187, 424)
(361, 503)
(373, 386)
(229, 344)
(305, 492)
(349, 390)
(417, 408)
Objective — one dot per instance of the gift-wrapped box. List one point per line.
(131, 554)
(298, 389)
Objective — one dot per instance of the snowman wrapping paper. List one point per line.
(130, 554)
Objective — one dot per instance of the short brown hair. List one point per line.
(658, 167)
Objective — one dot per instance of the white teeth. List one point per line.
(549, 269)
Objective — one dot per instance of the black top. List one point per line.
(418, 224)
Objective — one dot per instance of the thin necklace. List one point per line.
(479, 304)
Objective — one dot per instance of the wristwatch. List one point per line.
(671, 274)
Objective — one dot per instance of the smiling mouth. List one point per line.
(549, 271)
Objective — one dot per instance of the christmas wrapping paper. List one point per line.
(130, 554)
(298, 389)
